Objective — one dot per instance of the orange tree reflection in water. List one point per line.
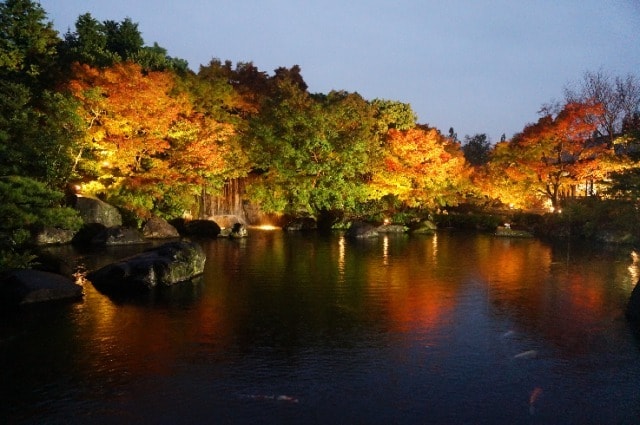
(544, 291)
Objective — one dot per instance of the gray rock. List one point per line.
(202, 228)
(171, 263)
(22, 287)
(512, 233)
(238, 230)
(426, 227)
(95, 234)
(158, 228)
(53, 236)
(93, 210)
(122, 236)
(362, 230)
(227, 221)
(301, 224)
(392, 228)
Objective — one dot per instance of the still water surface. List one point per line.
(311, 329)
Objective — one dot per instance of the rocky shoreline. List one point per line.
(174, 256)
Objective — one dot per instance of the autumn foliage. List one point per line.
(144, 137)
(133, 125)
(421, 168)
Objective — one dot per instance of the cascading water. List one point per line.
(231, 206)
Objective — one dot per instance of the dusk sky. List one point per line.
(476, 66)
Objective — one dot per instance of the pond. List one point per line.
(289, 328)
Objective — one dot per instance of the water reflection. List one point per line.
(634, 268)
(394, 329)
(341, 255)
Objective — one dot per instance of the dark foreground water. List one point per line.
(308, 329)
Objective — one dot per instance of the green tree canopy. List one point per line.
(476, 149)
(391, 114)
(27, 205)
(102, 44)
(27, 43)
(38, 126)
(313, 151)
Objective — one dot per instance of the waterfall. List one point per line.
(231, 206)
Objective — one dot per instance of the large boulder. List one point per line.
(22, 287)
(508, 232)
(93, 210)
(88, 233)
(171, 263)
(53, 236)
(95, 234)
(392, 228)
(301, 224)
(158, 228)
(202, 228)
(425, 227)
(119, 235)
(227, 221)
(362, 230)
(238, 230)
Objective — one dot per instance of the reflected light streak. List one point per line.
(385, 250)
(341, 254)
(634, 268)
(434, 243)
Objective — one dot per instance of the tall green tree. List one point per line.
(123, 38)
(312, 151)
(476, 149)
(88, 44)
(27, 44)
(391, 114)
(39, 127)
(27, 205)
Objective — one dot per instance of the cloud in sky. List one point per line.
(477, 66)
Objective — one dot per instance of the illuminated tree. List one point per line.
(504, 179)
(146, 145)
(392, 114)
(212, 93)
(128, 115)
(312, 151)
(558, 152)
(619, 97)
(422, 168)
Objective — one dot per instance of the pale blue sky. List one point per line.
(477, 66)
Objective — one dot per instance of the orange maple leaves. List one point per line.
(143, 132)
(421, 168)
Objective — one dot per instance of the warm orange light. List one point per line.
(267, 227)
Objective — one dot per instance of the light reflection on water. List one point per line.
(306, 328)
